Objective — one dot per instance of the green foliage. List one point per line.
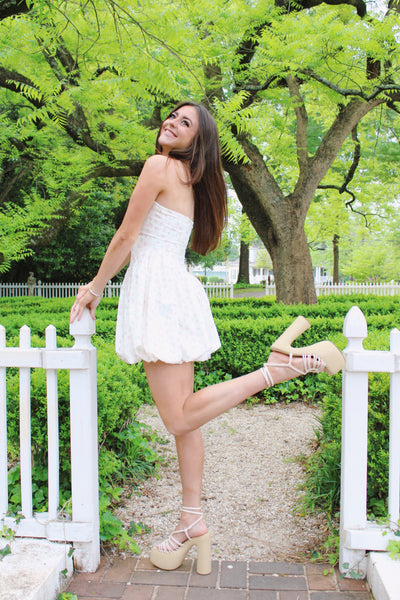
(5, 551)
(394, 549)
(323, 467)
(111, 528)
(8, 534)
(330, 548)
(77, 250)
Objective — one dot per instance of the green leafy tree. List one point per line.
(289, 83)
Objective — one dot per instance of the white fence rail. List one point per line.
(357, 534)
(112, 290)
(380, 289)
(83, 528)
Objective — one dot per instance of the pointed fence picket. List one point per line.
(357, 534)
(83, 527)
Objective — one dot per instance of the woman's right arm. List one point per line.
(149, 185)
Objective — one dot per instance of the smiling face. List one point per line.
(179, 129)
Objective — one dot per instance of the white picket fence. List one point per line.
(219, 290)
(82, 529)
(389, 288)
(112, 290)
(214, 290)
(357, 534)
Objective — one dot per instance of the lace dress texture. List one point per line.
(163, 311)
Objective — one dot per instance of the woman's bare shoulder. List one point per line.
(160, 161)
(165, 167)
(156, 162)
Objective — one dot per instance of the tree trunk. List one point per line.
(279, 221)
(335, 258)
(243, 275)
(293, 271)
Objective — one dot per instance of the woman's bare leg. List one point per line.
(183, 410)
(190, 452)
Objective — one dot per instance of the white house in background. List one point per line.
(228, 272)
(322, 275)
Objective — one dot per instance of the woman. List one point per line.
(164, 318)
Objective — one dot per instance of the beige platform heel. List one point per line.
(322, 356)
(169, 555)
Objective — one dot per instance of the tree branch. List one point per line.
(352, 169)
(245, 53)
(326, 153)
(301, 122)
(348, 203)
(69, 66)
(121, 168)
(299, 5)
(350, 174)
(10, 8)
(355, 161)
(11, 80)
(391, 87)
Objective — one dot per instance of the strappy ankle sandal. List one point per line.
(325, 351)
(311, 364)
(171, 553)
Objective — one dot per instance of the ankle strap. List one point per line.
(193, 510)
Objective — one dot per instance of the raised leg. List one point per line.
(183, 410)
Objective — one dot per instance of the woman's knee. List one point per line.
(177, 427)
(175, 424)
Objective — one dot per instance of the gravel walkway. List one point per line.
(250, 485)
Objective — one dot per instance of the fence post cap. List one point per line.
(86, 326)
(355, 324)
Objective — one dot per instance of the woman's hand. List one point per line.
(84, 299)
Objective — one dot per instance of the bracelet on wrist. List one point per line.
(94, 293)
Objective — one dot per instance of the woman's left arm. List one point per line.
(149, 185)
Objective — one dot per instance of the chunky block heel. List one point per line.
(295, 329)
(169, 555)
(203, 566)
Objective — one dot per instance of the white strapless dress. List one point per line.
(163, 310)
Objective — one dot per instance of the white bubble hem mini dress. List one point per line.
(163, 311)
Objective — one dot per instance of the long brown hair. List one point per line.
(207, 180)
